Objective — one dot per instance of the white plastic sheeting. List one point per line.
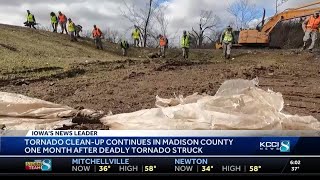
(238, 105)
(18, 112)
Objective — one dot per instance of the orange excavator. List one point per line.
(261, 35)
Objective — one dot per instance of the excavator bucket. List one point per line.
(218, 46)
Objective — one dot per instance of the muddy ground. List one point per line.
(129, 85)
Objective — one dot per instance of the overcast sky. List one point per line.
(183, 14)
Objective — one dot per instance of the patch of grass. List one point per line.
(34, 49)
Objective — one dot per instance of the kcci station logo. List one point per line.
(39, 165)
(282, 146)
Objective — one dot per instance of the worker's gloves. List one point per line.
(304, 28)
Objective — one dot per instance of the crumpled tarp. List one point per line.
(238, 105)
(18, 112)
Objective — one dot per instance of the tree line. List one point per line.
(152, 20)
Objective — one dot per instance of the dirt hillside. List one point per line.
(48, 66)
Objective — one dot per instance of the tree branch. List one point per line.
(195, 33)
(208, 27)
(209, 38)
(243, 11)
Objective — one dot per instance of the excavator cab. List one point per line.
(254, 36)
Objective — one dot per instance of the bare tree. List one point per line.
(159, 26)
(243, 11)
(208, 21)
(147, 23)
(214, 36)
(162, 20)
(112, 35)
(141, 17)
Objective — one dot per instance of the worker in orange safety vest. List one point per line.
(97, 36)
(163, 42)
(311, 27)
(63, 22)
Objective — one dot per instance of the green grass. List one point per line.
(39, 49)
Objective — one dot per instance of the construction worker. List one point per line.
(54, 22)
(124, 47)
(163, 45)
(185, 44)
(97, 35)
(227, 39)
(310, 27)
(72, 30)
(78, 30)
(31, 21)
(63, 22)
(136, 36)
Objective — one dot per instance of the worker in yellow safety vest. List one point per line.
(136, 36)
(54, 21)
(185, 44)
(227, 39)
(311, 27)
(124, 47)
(72, 30)
(31, 21)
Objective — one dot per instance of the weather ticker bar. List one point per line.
(158, 165)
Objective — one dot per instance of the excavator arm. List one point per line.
(288, 15)
(261, 37)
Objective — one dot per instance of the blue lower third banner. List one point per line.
(160, 146)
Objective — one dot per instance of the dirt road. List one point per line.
(131, 85)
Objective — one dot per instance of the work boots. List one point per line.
(304, 46)
(227, 56)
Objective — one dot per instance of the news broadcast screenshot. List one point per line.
(159, 88)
